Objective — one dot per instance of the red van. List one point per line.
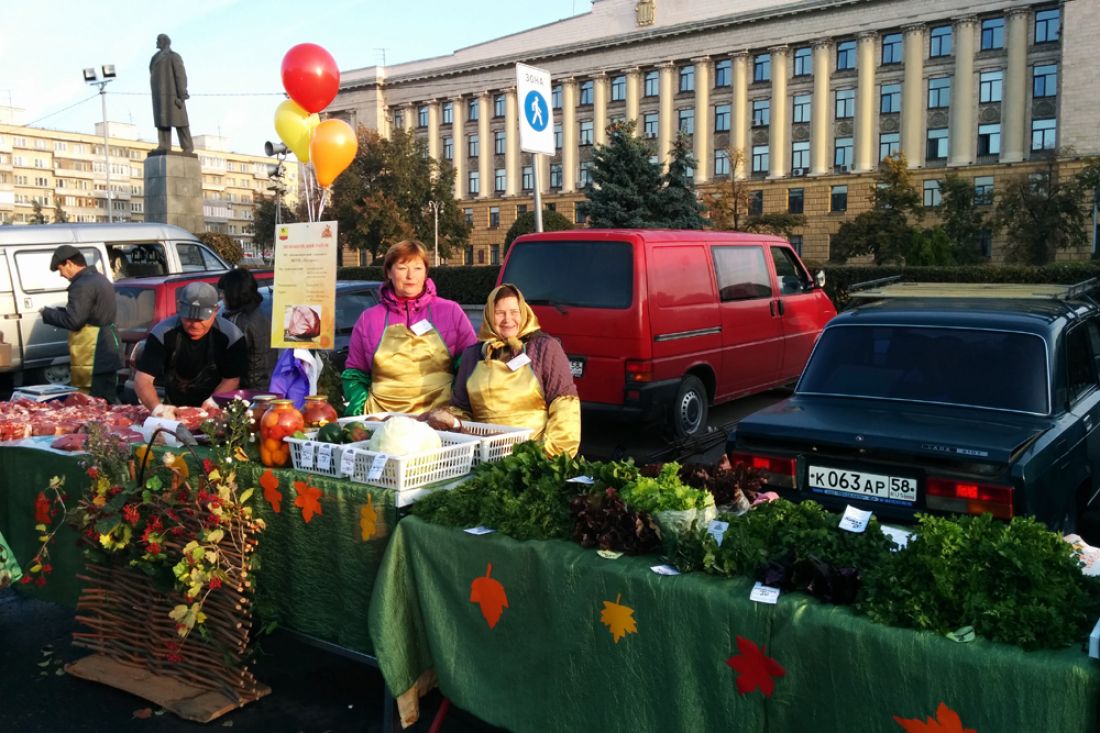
(662, 323)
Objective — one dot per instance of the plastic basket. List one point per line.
(402, 473)
(296, 455)
(495, 441)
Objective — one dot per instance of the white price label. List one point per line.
(855, 520)
(375, 471)
(421, 327)
(347, 462)
(664, 570)
(324, 457)
(717, 530)
(479, 530)
(306, 455)
(519, 362)
(764, 593)
(588, 480)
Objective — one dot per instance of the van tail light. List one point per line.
(968, 497)
(639, 371)
(775, 470)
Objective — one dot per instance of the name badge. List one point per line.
(421, 327)
(519, 362)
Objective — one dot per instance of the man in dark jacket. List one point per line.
(89, 316)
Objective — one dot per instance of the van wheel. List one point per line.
(57, 374)
(689, 409)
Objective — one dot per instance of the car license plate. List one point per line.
(576, 368)
(871, 486)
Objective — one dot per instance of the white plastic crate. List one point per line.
(494, 441)
(402, 473)
(300, 448)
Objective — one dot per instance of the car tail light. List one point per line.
(639, 371)
(968, 497)
(776, 470)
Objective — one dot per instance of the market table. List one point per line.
(674, 650)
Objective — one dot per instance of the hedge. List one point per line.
(468, 285)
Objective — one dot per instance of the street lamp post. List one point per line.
(108, 71)
(435, 206)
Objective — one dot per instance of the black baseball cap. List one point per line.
(197, 301)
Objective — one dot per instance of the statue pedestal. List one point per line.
(173, 191)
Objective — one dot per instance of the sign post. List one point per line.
(536, 123)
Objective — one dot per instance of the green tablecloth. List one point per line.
(550, 664)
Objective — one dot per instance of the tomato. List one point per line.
(271, 444)
(265, 455)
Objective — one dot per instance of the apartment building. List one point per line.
(813, 93)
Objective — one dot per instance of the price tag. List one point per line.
(764, 594)
(479, 530)
(609, 554)
(324, 457)
(855, 520)
(519, 362)
(587, 480)
(421, 327)
(305, 455)
(664, 570)
(717, 530)
(347, 462)
(375, 471)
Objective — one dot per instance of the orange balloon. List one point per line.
(331, 150)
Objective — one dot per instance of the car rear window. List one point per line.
(976, 368)
(136, 308)
(583, 274)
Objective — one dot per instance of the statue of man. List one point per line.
(169, 83)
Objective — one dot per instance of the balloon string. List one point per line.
(321, 204)
(309, 190)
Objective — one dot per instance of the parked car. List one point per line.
(943, 399)
(662, 323)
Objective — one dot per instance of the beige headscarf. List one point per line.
(493, 341)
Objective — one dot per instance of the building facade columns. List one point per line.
(568, 135)
(633, 95)
(433, 129)
(864, 159)
(912, 96)
(600, 84)
(779, 130)
(962, 144)
(665, 118)
(511, 143)
(739, 115)
(820, 140)
(458, 144)
(1014, 107)
(703, 123)
(485, 145)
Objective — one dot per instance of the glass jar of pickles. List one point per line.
(282, 419)
(261, 403)
(317, 412)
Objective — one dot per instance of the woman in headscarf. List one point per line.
(516, 375)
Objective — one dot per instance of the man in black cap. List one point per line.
(89, 316)
(195, 353)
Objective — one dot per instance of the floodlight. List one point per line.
(108, 71)
(89, 74)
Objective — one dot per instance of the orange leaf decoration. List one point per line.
(368, 519)
(270, 486)
(946, 721)
(755, 669)
(489, 594)
(618, 619)
(308, 499)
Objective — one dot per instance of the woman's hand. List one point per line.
(439, 419)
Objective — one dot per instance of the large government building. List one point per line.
(810, 94)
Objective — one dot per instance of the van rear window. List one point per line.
(583, 274)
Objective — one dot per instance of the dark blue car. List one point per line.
(932, 398)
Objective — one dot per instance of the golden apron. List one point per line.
(505, 397)
(410, 373)
(82, 345)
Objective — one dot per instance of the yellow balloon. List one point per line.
(295, 126)
(332, 149)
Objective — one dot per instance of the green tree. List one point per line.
(263, 223)
(38, 217)
(679, 204)
(625, 188)
(884, 232)
(59, 215)
(961, 219)
(552, 221)
(226, 246)
(727, 206)
(780, 223)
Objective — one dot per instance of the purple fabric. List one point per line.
(446, 316)
(547, 357)
(289, 378)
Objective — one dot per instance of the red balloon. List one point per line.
(310, 76)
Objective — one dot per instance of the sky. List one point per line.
(232, 51)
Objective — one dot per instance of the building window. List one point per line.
(989, 139)
(845, 105)
(500, 180)
(759, 158)
(473, 145)
(580, 212)
(1044, 81)
(555, 175)
(1043, 134)
(983, 190)
(889, 143)
(890, 98)
(686, 120)
(448, 148)
(993, 33)
(762, 67)
(521, 209)
(618, 89)
(398, 120)
(838, 198)
(687, 78)
(422, 116)
(937, 144)
(494, 254)
(721, 163)
(939, 41)
(652, 83)
(586, 173)
(932, 197)
(796, 200)
(796, 243)
(891, 48)
(586, 132)
(803, 61)
(761, 112)
(473, 110)
(469, 214)
(1048, 25)
(939, 92)
(555, 96)
(985, 242)
(722, 73)
(990, 86)
(468, 258)
(721, 118)
(649, 125)
(845, 55)
(494, 217)
(474, 183)
(500, 143)
(586, 93)
(800, 158)
(842, 154)
(557, 136)
(802, 107)
(448, 113)
(756, 203)
(527, 177)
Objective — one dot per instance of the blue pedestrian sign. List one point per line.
(537, 110)
(536, 128)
